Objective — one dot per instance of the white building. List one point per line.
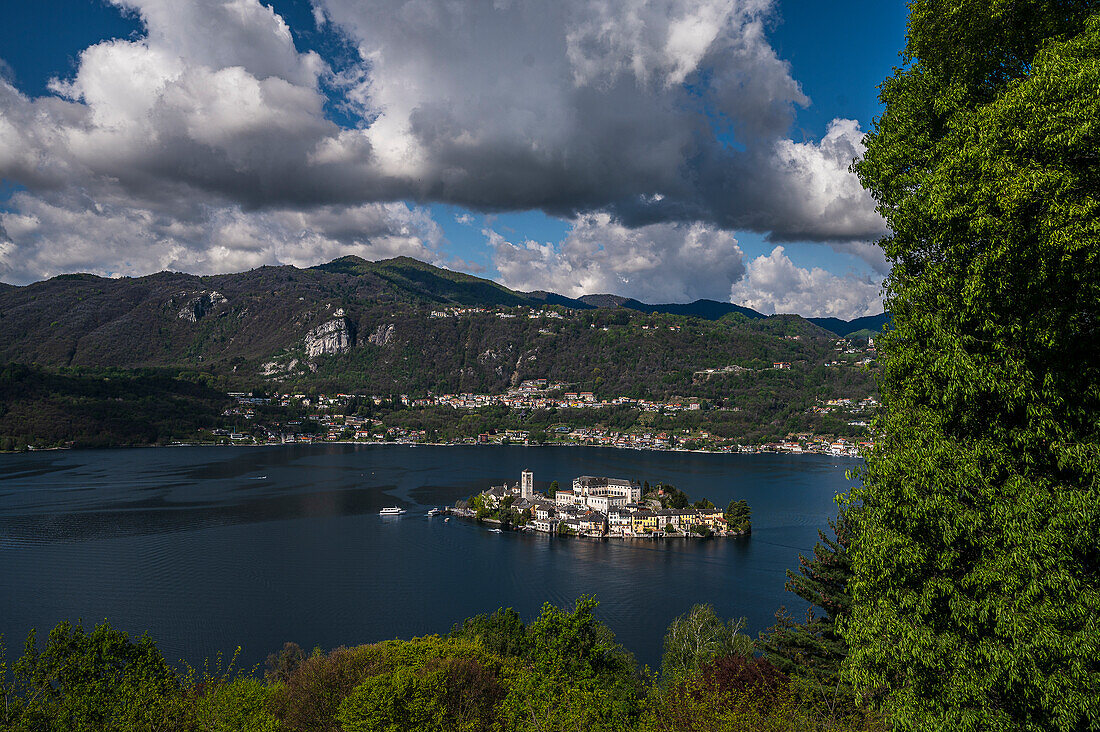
(587, 485)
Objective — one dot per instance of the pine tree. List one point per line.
(815, 649)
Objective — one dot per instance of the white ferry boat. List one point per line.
(391, 511)
(434, 511)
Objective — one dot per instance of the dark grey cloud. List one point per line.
(187, 146)
(576, 106)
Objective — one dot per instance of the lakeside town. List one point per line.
(337, 418)
(601, 507)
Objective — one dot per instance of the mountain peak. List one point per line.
(350, 265)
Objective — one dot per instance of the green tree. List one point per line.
(445, 695)
(224, 700)
(501, 632)
(697, 637)
(976, 581)
(576, 675)
(738, 515)
(815, 649)
(100, 680)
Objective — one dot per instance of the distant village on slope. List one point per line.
(333, 421)
(604, 507)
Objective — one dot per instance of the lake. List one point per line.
(211, 548)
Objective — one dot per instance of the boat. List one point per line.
(391, 511)
(446, 519)
(495, 531)
(434, 511)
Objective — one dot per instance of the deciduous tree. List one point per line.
(976, 586)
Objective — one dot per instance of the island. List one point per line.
(601, 507)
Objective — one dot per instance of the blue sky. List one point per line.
(598, 218)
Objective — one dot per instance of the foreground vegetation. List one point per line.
(562, 671)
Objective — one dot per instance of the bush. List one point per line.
(311, 696)
(460, 694)
(699, 707)
(232, 706)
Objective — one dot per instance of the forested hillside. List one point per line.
(394, 326)
(102, 407)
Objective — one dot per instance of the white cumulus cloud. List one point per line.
(46, 238)
(656, 263)
(774, 284)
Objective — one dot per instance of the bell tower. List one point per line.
(527, 485)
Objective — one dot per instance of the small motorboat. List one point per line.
(495, 531)
(391, 511)
(446, 519)
(434, 511)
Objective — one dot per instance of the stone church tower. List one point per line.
(527, 485)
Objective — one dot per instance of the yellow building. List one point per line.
(644, 522)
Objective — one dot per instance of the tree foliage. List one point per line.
(698, 637)
(740, 693)
(976, 582)
(100, 680)
(815, 649)
(105, 681)
(739, 516)
(575, 676)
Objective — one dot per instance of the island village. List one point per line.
(601, 507)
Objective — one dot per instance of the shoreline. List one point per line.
(651, 537)
(423, 444)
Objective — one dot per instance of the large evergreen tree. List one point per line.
(976, 588)
(815, 649)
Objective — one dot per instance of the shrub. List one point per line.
(459, 694)
(311, 696)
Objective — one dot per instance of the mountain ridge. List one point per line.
(173, 317)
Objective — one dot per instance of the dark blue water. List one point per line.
(208, 549)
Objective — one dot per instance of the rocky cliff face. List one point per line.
(199, 305)
(335, 336)
(382, 335)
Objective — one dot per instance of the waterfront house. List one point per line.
(545, 524)
(644, 521)
(619, 521)
(713, 518)
(572, 524)
(593, 523)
